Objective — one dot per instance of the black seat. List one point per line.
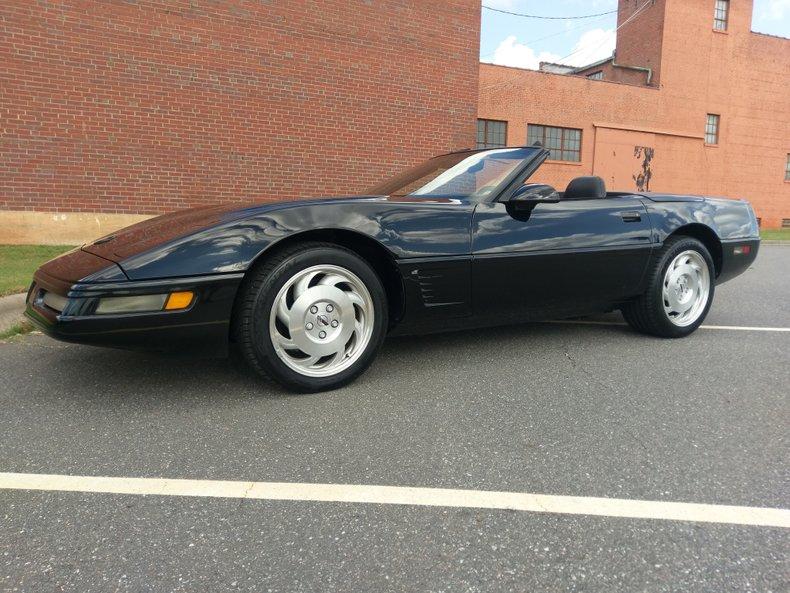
(585, 187)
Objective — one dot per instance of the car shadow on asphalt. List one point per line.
(95, 373)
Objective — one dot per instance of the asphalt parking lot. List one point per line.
(591, 410)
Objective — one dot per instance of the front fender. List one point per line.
(405, 228)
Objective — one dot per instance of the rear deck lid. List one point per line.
(670, 197)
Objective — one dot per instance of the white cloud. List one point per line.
(775, 9)
(512, 53)
(592, 46)
(579, 5)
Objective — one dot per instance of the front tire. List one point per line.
(312, 317)
(679, 290)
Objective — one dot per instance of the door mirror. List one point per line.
(532, 194)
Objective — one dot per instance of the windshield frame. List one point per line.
(515, 178)
(519, 176)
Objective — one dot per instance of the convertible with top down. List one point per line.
(305, 291)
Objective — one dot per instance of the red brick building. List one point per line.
(113, 111)
(692, 102)
(130, 108)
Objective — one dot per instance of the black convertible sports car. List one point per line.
(306, 290)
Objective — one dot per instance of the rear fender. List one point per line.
(727, 219)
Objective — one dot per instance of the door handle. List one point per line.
(631, 216)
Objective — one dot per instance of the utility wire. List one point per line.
(547, 18)
(531, 41)
(623, 24)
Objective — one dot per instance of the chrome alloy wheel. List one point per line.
(686, 288)
(321, 320)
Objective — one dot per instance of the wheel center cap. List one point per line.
(683, 290)
(321, 320)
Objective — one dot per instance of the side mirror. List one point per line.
(532, 194)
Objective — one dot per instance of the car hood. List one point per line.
(159, 230)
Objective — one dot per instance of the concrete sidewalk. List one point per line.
(12, 309)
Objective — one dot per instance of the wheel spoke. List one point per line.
(337, 357)
(674, 303)
(285, 343)
(359, 327)
(355, 299)
(332, 280)
(282, 312)
(303, 284)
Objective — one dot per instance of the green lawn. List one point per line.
(18, 262)
(15, 330)
(775, 234)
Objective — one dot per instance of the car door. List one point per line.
(570, 256)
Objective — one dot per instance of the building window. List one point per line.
(720, 14)
(787, 168)
(596, 75)
(565, 144)
(491, 133)
(712, 129)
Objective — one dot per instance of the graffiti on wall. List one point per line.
(642, 179)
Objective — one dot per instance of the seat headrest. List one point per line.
(590, 186)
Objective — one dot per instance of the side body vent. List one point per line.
(438, 289)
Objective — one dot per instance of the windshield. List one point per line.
(457, 175)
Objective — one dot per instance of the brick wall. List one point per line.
(739, 75)
(148, 106)
(614, 72)
(640, 39)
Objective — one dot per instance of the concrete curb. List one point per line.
(12, 309)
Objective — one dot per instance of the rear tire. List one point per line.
(680, 287)
(312, 317)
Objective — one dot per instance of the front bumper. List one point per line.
(67, 311)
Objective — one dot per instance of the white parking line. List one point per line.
(743, 328)
(746, 328)
(430, 497)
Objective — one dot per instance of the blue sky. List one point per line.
(522, 42)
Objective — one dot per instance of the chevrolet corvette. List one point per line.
(306, 291)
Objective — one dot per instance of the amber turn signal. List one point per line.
(179, 300)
